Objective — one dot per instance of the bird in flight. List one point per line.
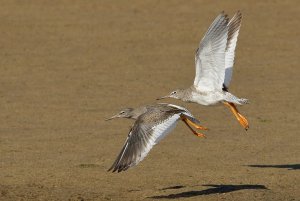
(152, 124)
(214, 61)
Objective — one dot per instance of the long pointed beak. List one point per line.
(163, 97)
(113, 117)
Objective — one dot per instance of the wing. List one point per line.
(233, 33)
(141, 139)
(210, 56)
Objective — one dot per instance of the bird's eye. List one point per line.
(122, 112)
(174, 92)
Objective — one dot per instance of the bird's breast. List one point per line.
(206, 98)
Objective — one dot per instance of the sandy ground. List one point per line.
(67, 65)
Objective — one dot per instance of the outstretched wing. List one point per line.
(210, 56)
(142, 137)
(233, 33)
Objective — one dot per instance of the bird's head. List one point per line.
(177, 94)
(125, 113)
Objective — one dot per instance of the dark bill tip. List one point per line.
(110, 118)
(162, 97)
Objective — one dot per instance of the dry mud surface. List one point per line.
(67, 65)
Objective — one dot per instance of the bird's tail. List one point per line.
(233, 99)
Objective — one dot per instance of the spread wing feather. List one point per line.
(141, 139)
(234, 26)
(210, 56)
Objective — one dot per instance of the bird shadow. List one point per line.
(287, 166)
(215, 189)
(173, 187)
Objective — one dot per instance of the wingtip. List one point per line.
(109, 169)
(118, 168)
(112, 170)
(238, 14)
(223, 13)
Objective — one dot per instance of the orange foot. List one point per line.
(241, 119)
(196, 125)
(199, 134)
(189, 123)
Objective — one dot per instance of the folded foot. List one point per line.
(189, 123)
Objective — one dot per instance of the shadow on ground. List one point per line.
(288, 166)
(214, 190)
(173, 187)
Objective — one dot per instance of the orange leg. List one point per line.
(186, 121)
(242, 120)
(196, 125)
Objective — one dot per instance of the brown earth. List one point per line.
(67, 65)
